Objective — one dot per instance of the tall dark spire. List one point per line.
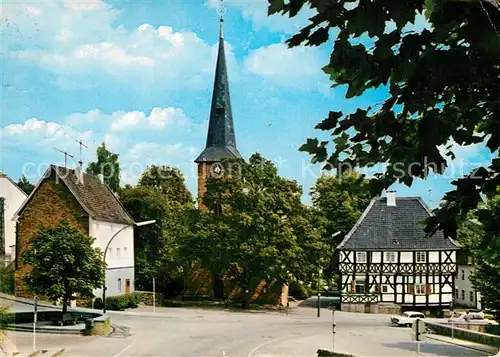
(221, 141)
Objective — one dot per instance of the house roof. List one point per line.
(3, 175)
(401, 227)
(221, 140)
(94, 196)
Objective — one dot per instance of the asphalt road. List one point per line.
(192, 332)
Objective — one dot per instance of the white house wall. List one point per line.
(14, 197)
(441, 284)
(464, 288)
(119, 257)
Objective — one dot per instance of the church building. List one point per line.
(221, 140)
(221, 144)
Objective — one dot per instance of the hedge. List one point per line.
(119, 302)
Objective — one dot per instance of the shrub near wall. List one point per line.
(120, 302)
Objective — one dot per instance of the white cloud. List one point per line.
(297, 66)
(164, 136)
(39, 133)
(78, 39)
(157, 119)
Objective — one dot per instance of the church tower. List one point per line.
(221, 140)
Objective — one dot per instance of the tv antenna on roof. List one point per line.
(80, 142)
(66, 154)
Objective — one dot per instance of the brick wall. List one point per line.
(50, 204)
(203, 174)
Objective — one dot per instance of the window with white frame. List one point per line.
(118, 252)
(119, 286)
(421, 257)
(125, 249)
(360, 257)
(420, 289)
(385, 288)
(390, 257)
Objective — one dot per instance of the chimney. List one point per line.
(79, 174)
(391, 198)
(101, 178)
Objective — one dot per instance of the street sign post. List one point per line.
(418, 328)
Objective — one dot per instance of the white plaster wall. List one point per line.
(433, 257)
(119, 266)
(103, 232)
(14, 197)
(406, 257)
(466, 285)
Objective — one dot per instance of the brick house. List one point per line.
(87, 204)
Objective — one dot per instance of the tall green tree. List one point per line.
(157, 248)
(25, 184)
(258, 228)
(107, 164)
(169, 180)
(443, 85)
(63, 262)
(340, 199)
(486, 253)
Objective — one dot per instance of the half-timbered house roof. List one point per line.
(399, 227)
(94, 196)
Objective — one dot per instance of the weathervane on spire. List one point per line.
(221, 10)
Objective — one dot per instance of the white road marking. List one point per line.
(124, 349)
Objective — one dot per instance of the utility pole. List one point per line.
(333, 328)
(318, 288)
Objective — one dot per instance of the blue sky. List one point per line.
(138, 75)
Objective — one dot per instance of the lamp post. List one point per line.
(139, 224)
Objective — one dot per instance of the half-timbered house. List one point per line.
(387, 258)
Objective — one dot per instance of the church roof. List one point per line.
(94, 196)
(400, 227)
(221, 140)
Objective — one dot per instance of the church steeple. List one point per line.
(221, 140)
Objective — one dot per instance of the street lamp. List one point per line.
(319, 277)
(138, 224)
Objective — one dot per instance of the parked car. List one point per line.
(406, 318)
(471, 318)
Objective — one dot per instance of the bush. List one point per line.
(122, 302)
(98, 303)
(297, 290)
(7, 280)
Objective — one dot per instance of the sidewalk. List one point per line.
(492, 351)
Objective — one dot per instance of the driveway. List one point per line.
(194, 332)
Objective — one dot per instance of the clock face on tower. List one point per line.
(217, 168)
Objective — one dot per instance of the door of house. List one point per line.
(127, 286)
